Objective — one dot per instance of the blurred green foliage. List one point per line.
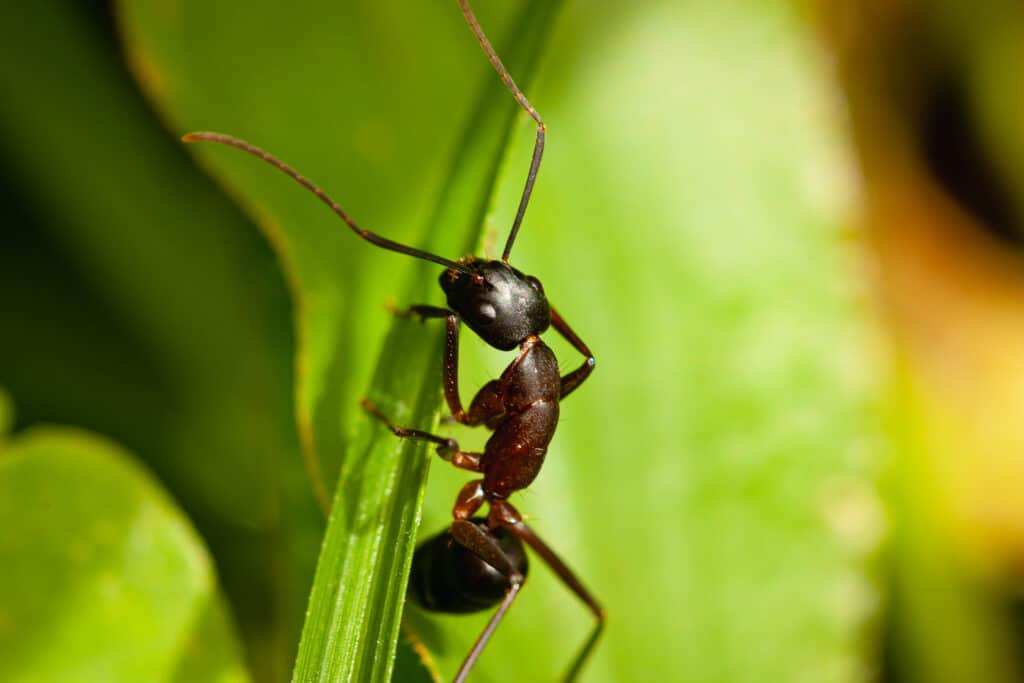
(104, 579)
(693, 484)
(144, 306)
(714, 482)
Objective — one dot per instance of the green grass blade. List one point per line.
(357, 597)
(194, 61)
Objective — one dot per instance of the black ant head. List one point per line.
(498, 302)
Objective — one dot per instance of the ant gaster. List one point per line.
(479, 562)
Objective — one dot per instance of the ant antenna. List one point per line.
(538, 146)
(370, 237)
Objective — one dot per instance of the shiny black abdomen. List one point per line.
(448, 577)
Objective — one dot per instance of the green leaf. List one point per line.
(102, 576)
(154, 313)
(357, 597)
(359, 590)
(945, 624)
(713, 482)
(319, 104)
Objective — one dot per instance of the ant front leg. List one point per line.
(577, 376)
(451, 354)
(489, 403)
(505, 515)
(447, 447)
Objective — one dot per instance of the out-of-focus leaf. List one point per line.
(936, 141)
(945, 625)
(161, 320)
(373, 133)
(712, 482)
(359, 591)
(103, 578)
(6, 413)
(413, 663)
(357, 597)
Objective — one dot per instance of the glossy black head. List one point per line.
(448, 577)
(498, 302)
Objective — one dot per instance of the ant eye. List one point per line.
(535, 283)
(486, 314)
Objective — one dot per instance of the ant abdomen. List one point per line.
(448, 577)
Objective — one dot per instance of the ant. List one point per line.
(479, 562)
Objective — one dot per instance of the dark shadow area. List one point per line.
(61, 333)
(1016, 623)
(889, 664)
(956, 158)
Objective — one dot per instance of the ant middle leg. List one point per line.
(447, 447)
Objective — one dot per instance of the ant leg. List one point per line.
(451, 359)
(504, 514)
(485, 635)
(577, 376)
(486, 548)
(423, 312)
(489, 401)
(469, 500)
(447, 447)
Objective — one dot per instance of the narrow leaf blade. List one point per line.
(357, 597)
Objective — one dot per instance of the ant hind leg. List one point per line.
(505, 515)
(484, 546)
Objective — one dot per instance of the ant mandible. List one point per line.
(480, 562)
